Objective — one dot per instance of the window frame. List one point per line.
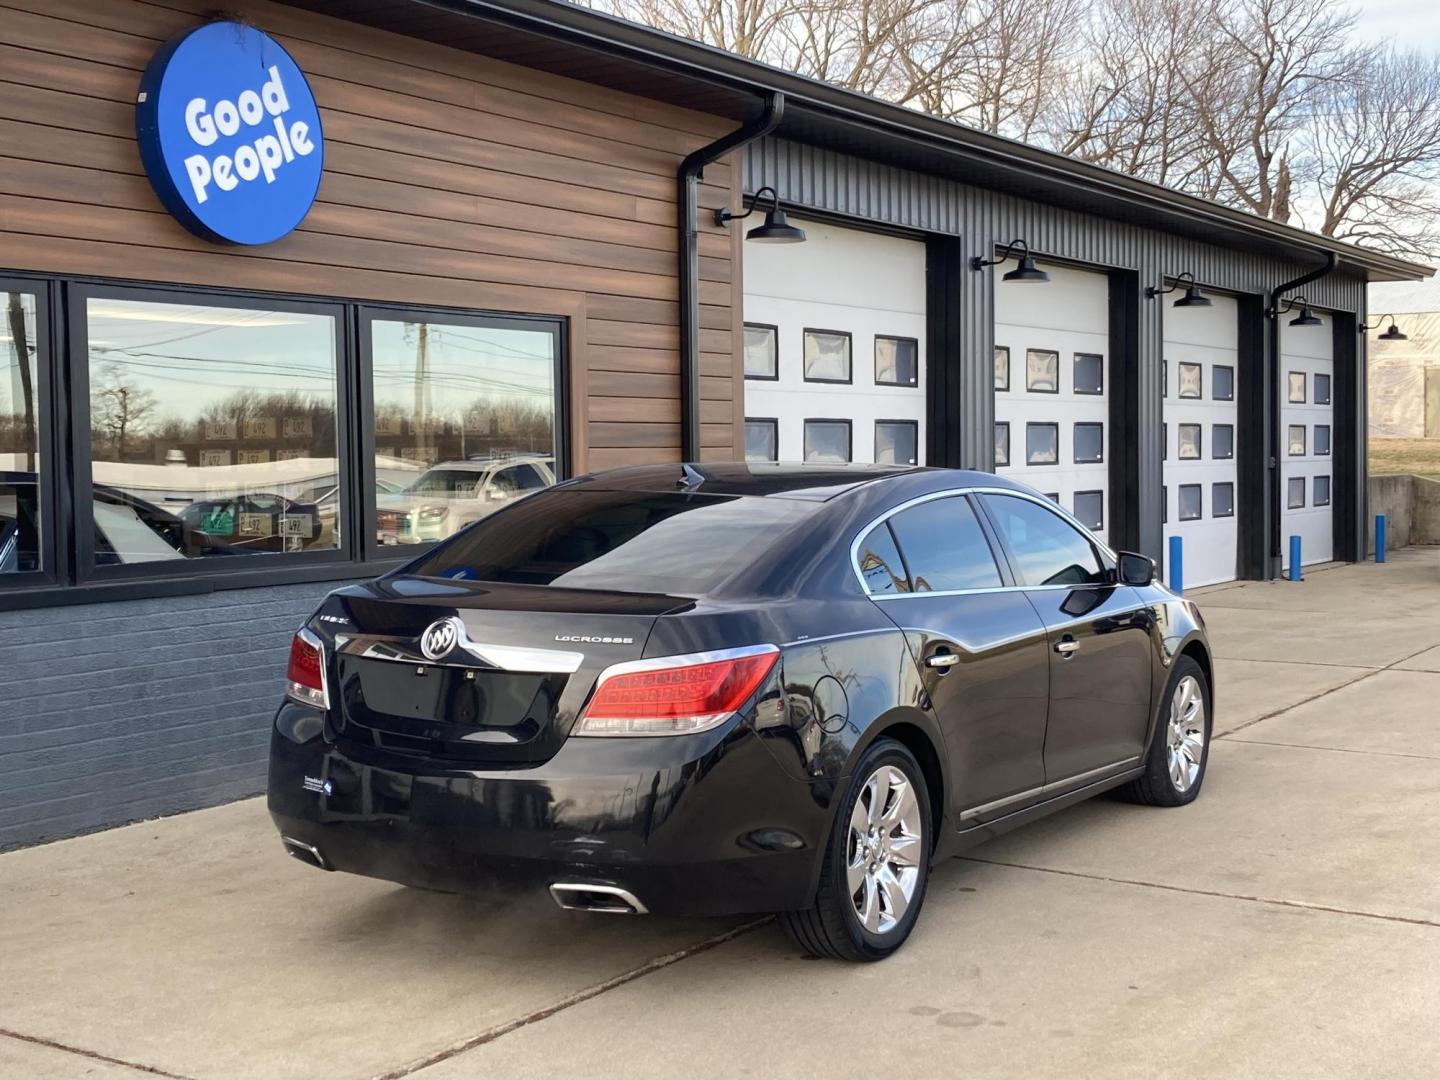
(1315, 378)
(1180, 394)
(987, 530)
(1089, 491)
(1055, 425)
(1315, 440)
(1048, 352)
(849, 379)
(875, 360)
(51, 426)
(913, 425)
(1216, 486)
(849, 437)
(1217, 428)
(1199, 454)
(1075, 363)
(1290, 451)
(1075, 458)
(1290, 504)
(775, 334)
(1103, 554)
(774, 422)
(1222, 367)
(1290, 398)
(1314, 481)
(1180, 490)
(72, 577)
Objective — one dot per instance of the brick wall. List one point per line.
(121, 711)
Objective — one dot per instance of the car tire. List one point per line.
(877, 858)
(1180, 747)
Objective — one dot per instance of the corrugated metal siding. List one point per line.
(879, 194)
(126, 710)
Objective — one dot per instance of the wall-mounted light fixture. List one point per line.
(1193, 296)
(1026, 271)
(1393, 334)
(1306, 316)
(776, 229)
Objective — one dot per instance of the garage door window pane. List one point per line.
(21, 434)
(1090, 509)
(1048, 550)
(1322, 439)
(1042, 371)
(1189, 496)
(1295, 491)
(1296, 441)
(1188, 448)
(827, 356)
(1297, 388)
(464, 423)
(1042, 444)
(1089, 374)
(827, 440)
(1002, 367)
(1322, 389)
(880, 564)
(212, 431)
(1189, 380)
(895, 442)
(1222, 383)
(761, 351)
(944, 547)
(897, 361)
(1222, 500)
(1002, 443)
(761, 440)
(1222, 441)
(1089, 443)
(1322, 491)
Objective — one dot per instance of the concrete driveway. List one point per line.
(1286, 925)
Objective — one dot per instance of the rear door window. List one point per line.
(880, 564)
(1047, 549)
(628, 541)
(944, 547)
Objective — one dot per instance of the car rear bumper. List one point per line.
(687, 825)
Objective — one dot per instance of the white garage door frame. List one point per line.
(1307, 438)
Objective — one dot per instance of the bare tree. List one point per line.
(119, 409)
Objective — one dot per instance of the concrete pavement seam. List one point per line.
(1272, 900)
(1323, 693)
(150, 1070)
(577, 998)
(1339, 749)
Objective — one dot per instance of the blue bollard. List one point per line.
(1175, 563)
(1379, 537)
(1294, 558)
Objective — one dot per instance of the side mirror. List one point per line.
(1135, 569)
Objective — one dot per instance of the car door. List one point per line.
(1098, 633)
(980, 647)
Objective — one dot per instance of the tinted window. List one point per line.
(1322, 491)
(1190, 509)
(1222, 441)
(1322, 389)
(1089, 442)
(1047, 549)
(944, 547)
(1222, 500)
(1322, 438)
(1295, 493)
(631, 541)
(1222, 385)
(1090, 509)
(1089, 374)
(22, 434)
(880, 565)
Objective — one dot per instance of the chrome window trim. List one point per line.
(950, 493)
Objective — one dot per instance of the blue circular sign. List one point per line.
(229, 134)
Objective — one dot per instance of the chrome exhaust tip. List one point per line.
(610, 899)
(306, 853)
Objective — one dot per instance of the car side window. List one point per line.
(508, 480)
(944, 546)
(1047, 549)
(880, 564)
(529, 478)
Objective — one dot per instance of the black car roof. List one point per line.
(786, 480)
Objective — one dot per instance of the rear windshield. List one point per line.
(616, 540)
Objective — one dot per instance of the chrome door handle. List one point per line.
(1066, 645)
(943, 660)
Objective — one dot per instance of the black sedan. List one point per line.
(736, 688)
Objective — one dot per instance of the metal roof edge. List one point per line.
(656, 48)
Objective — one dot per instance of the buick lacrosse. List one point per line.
(736, 688)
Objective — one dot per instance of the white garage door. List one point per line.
(835, 348)
(1307, 370)
(1201, 377)
(1051, 382)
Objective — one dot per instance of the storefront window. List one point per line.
(212, 430)
(20, 434)
(465, 419)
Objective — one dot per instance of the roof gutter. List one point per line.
(1272, 408)
(692, 169)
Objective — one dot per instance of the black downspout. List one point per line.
(1272, 408)
(691, 171)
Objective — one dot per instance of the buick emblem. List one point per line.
(440, 637)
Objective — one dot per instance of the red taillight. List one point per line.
(305, 674)
(676, 694)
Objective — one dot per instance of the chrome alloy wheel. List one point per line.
(884, 849)
(1185, 733)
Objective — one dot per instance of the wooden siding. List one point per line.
(450, 180)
